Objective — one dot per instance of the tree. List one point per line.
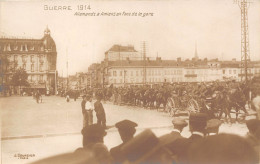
(20, 78)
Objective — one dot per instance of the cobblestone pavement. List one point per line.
(53, 127)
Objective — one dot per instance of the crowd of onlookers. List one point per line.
(204, 146)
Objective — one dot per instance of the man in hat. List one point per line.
(83, 102)
(93, 138)
(178, 125)
(197, 125)
(100, 112)
(213, 126)
(126, 129)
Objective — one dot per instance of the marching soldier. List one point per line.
(126, 129)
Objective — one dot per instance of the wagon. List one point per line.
(176, 104)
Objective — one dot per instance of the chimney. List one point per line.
(178, 59)
(234, 59)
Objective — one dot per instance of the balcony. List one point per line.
(191, 75)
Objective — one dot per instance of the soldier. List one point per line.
(178, 125)
(100, 112)
(126, 129)
(93, 138)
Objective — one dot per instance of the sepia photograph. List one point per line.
(130, 82)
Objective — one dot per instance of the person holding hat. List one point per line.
(178, 125)
(93, 139)
(126, 129)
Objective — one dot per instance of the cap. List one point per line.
(213, 125)
(94, 130)
(253, 124)
(198, 119)
(179, 122)
(126, 124)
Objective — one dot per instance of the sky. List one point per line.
(173, 30)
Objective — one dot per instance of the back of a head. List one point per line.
(222, 149)
(93, 134)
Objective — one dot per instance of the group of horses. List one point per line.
(188, 98)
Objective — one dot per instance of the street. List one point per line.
(53, 126)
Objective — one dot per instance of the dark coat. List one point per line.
(181, 146)
(170, 138)
(99, 109)
(117, 155)
(83, 103)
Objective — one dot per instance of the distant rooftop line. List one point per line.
(17, 37)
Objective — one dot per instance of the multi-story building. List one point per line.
(129, 72)
(123, 66)
(118, 52)
(36, 56)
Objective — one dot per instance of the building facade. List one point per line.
(118, 52)
(36, 56)
(120, 73)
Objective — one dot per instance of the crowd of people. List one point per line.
(204, 146)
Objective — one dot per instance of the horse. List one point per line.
(237, 100)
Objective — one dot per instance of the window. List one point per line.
(234, 71)
(41, 67)
(137, 73)
(109, 73)
(41, 78)
(121, 81)
(15, 58)
(223, 71)
(32, 58)
(121, 73)
(230, 71)
(32, 67)
(24, 58)
(132, 73)
(114, 73)
(24, 66)
(8, 47)
(16, 47)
